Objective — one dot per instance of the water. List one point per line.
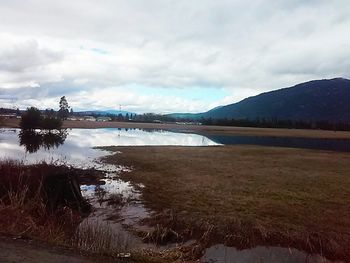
(75, 147)
(340, 145)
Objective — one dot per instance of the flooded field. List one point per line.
(75, 148)
(117, 203)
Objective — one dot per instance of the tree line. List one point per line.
(146, 117)
(10, 111)
(276, 123)
(49, 119)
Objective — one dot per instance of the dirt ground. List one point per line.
(20, 251)
(200, 129)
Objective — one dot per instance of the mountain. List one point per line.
(318, 100)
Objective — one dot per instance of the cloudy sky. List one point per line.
(165, 55)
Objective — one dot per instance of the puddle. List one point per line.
(116, 204)
(222, 254)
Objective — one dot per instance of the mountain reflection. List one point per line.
(34, 140)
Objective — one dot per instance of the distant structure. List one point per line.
(9, 115)
(103, 119)
(89, 118)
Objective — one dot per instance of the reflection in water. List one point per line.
(78, 147)
(33, 140)
(223, 254)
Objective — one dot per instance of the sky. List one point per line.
(165, 56)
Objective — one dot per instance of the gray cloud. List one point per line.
(26, 55)
(75, 47)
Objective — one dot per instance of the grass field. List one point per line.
(200, 129)
(248, 195)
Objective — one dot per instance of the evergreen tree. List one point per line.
(63, 112)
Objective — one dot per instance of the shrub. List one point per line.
(24, 206)
(31, 119)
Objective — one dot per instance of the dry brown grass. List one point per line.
(24, 206)
(9, 123)
(250, 195)
(99, 238)
(27, 216)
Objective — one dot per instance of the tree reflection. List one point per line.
(33, 140)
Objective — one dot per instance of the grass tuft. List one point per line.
(99, 238)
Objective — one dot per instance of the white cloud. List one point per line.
(99, 48)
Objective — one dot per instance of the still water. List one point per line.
(340, 145)
(75, 147)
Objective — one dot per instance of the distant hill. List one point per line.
(189, 115)
(105, 112)
(318, 100)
